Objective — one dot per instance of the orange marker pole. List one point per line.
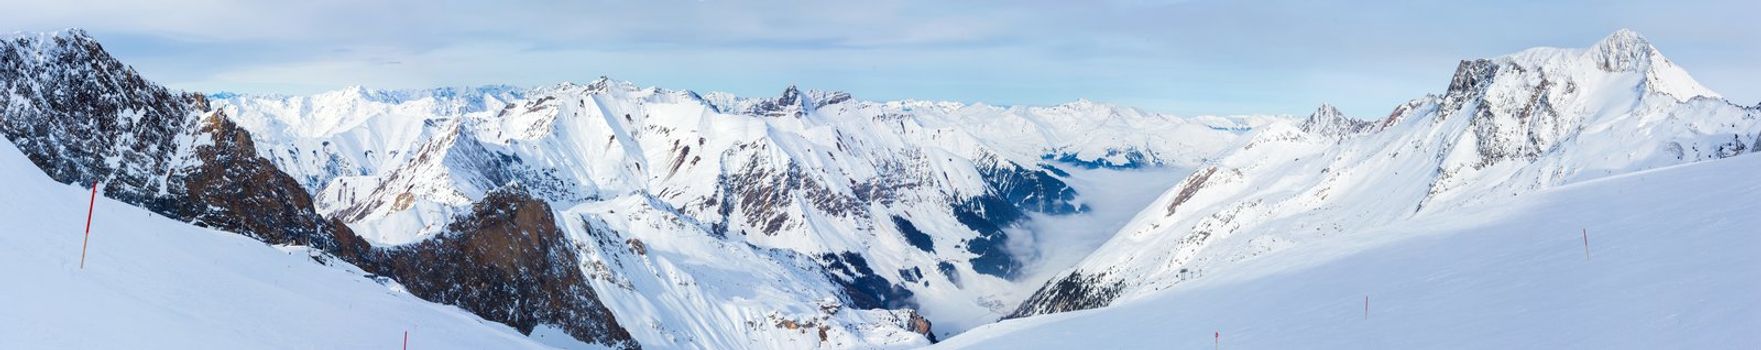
(93, 203)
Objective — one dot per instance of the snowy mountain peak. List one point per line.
(602, 84)
(1326, 111)
(1621, 64)
(69, 33)
(1328, 121)
(1627, 51)
(789, 103)
(1624, 50)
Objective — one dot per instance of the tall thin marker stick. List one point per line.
(1366, 307)
(406, 339)
(1586, 244)
(89, 206)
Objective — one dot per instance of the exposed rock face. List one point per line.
(506, 261)
(233, 189)
(1327, 121)
(1028, 189)
(1075, 291)
(1189, 187)
(790, 104)
(916, 323)
(865, 288)
(83, 117)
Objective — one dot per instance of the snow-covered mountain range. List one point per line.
(696, 220)
(903, 204)
(1505, 127)
(627, 216)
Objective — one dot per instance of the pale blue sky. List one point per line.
(1187, 57)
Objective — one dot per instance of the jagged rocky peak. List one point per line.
(1328, 121)
(827, 98)
(793, 102)
(601, 84)
(1325, 114)
(791, 96)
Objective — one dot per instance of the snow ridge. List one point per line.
(1506, 127)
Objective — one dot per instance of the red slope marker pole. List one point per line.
(1219, 340)
(91, 204)
(406, 339)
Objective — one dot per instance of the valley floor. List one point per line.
(1671, 263)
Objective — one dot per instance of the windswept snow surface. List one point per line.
(152, 282)
(1671, 264)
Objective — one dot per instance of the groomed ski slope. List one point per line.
(152, 282)
(1674, 262)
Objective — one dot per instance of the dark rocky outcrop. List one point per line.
(84, 117)
(917, 324)
(988, 215)
(790, 104)
(507, 261)
(1028, 189)
(1076, 291)
(914, 236)
(866, 289)
(1190, 187)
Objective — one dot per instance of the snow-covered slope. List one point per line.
(1671, 264)
(1505, 127)
(901, 205)
(154, 282)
